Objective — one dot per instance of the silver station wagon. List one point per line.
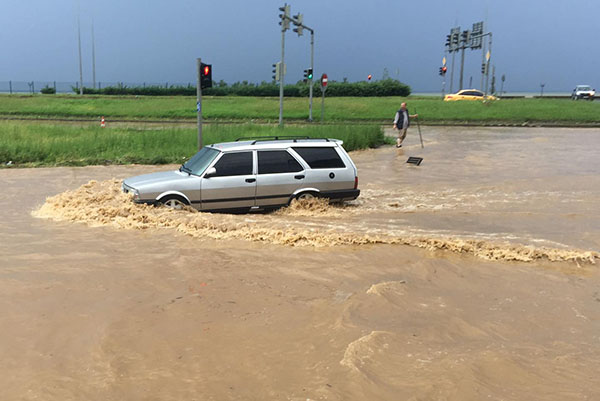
(252, 174)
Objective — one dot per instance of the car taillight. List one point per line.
(356, 182)
(449, 97)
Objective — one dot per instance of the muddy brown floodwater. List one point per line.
(471, 277)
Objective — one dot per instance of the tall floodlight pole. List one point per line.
(93, 58)
(80, 64)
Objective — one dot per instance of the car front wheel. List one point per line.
(173, 202)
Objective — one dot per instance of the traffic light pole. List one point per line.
(487, 67)
(281, 76)
(452, 74)
(199, 101)
(312, 65)
(462, 67)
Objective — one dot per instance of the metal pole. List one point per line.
(452, 74)
(199, 101)
(10, 86)
(93, 58)
(487, 67)
(54, 86)
(322, 106)
(462, 67)
(80, 65)
(443, 87)
(312, 64)
(281, 74)
(482, 62)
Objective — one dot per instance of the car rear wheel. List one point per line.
(306, 195)
(173, 202)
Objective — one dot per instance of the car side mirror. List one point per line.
(210, 172)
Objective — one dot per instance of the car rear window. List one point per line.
(234, 164)
(277, 161)
(321, 157)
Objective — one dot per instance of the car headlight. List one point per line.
(129, 190)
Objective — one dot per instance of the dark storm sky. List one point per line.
(535, 41)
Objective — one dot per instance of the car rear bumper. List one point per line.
(344, 194)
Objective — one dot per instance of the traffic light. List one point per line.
(276, 72)
(441, 73)
(310, 74)
(205, 76)
(305, 76)
(448, 40)
(369, 77)
(285, 17)
(298, 18)
(483, 68)
(444, 70)
(465, 37)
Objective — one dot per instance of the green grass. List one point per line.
(54, 145)
(337, 110)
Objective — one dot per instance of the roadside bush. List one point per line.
(387, 87)
(47, 90)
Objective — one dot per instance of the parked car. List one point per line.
(583, 92)
(255, 174)
(468, 94)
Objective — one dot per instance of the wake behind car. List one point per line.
(252, 174)
(583, 92)
(468, 94)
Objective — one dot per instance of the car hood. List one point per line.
(155, 178)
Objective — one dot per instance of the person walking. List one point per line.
(402, 122)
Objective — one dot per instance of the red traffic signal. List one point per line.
(369, 77)
(205, 75)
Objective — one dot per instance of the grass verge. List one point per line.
(30, 145)
(341, 109)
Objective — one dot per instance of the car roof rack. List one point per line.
(277, 138)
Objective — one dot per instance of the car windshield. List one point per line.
(584, 88)
(200, 161)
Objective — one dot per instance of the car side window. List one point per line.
(320, 157)
(231, 164)
(277, 161)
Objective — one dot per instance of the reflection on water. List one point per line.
(315, 301)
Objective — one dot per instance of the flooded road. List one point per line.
(497, 298)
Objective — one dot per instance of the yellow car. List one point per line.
(468, 94)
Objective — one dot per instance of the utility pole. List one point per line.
(93, 58)
(80, 64)
(199, 100)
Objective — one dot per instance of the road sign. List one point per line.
(487, 56)
(324, 81)
(444, 61)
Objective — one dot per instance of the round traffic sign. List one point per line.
(324, 80)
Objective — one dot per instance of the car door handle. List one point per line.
(250, 179)
(299, 177)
